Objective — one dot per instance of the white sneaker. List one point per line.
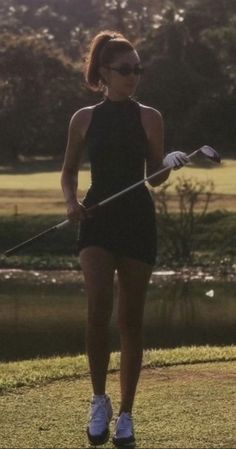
(101, 414)
(124, 432)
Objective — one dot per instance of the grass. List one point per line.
(185, 399)
(38, 371)
(223, 177)
(35, 193)
(41, 192)
(39, 181)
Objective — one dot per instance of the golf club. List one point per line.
(206, 151)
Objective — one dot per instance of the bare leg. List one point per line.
(133, 278)
(98, 266)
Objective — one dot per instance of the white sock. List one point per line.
(99, 396)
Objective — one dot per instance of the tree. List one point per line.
(41, 89)
(188, 78)
(66, 22)
(188, 52)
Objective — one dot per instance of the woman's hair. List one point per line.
(104, 49)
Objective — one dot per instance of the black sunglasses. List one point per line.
(127, 69)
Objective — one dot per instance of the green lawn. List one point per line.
(186, 398)
(223, 177)
(39, 181)
(40, 193)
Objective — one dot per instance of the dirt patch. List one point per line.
(201, 371)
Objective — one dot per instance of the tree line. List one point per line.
(187, 48)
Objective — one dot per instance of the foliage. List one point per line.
(217, 223)
(187, 50)
(213, 236)
(187, 76)
(61, 243)
(38, 81)
(177, 231)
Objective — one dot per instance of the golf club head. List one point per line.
(210, 153)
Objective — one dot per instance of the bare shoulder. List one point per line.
(149, 113)
(82, 114)
(81, 119)
(151, 119)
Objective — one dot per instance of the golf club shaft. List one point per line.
(94, 207)
(129, 188)
(142, 181)
(27, 242)
(89, 210)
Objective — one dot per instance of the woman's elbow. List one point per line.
(66, 175)
(158, 179)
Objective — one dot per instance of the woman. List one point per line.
(122, 137)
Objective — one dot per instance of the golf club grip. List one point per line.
(91, 209)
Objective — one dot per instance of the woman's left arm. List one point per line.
(154, 127)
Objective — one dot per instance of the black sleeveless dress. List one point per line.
(117, 148)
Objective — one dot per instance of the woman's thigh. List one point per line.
(98, 266)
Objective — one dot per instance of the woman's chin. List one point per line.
(130, 90)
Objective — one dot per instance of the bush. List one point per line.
(177, 230)
(213, 239)
(15, 230)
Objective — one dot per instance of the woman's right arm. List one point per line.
(72, 163)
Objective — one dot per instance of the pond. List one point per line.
(43, 313)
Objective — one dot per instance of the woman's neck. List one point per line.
(114, 96)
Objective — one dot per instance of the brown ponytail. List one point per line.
(104, 48)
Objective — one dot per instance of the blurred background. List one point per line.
(187, 47)
(188, 50)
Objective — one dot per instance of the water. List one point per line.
(44, 313)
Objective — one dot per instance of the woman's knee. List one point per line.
(131, 325)
(98, 318)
